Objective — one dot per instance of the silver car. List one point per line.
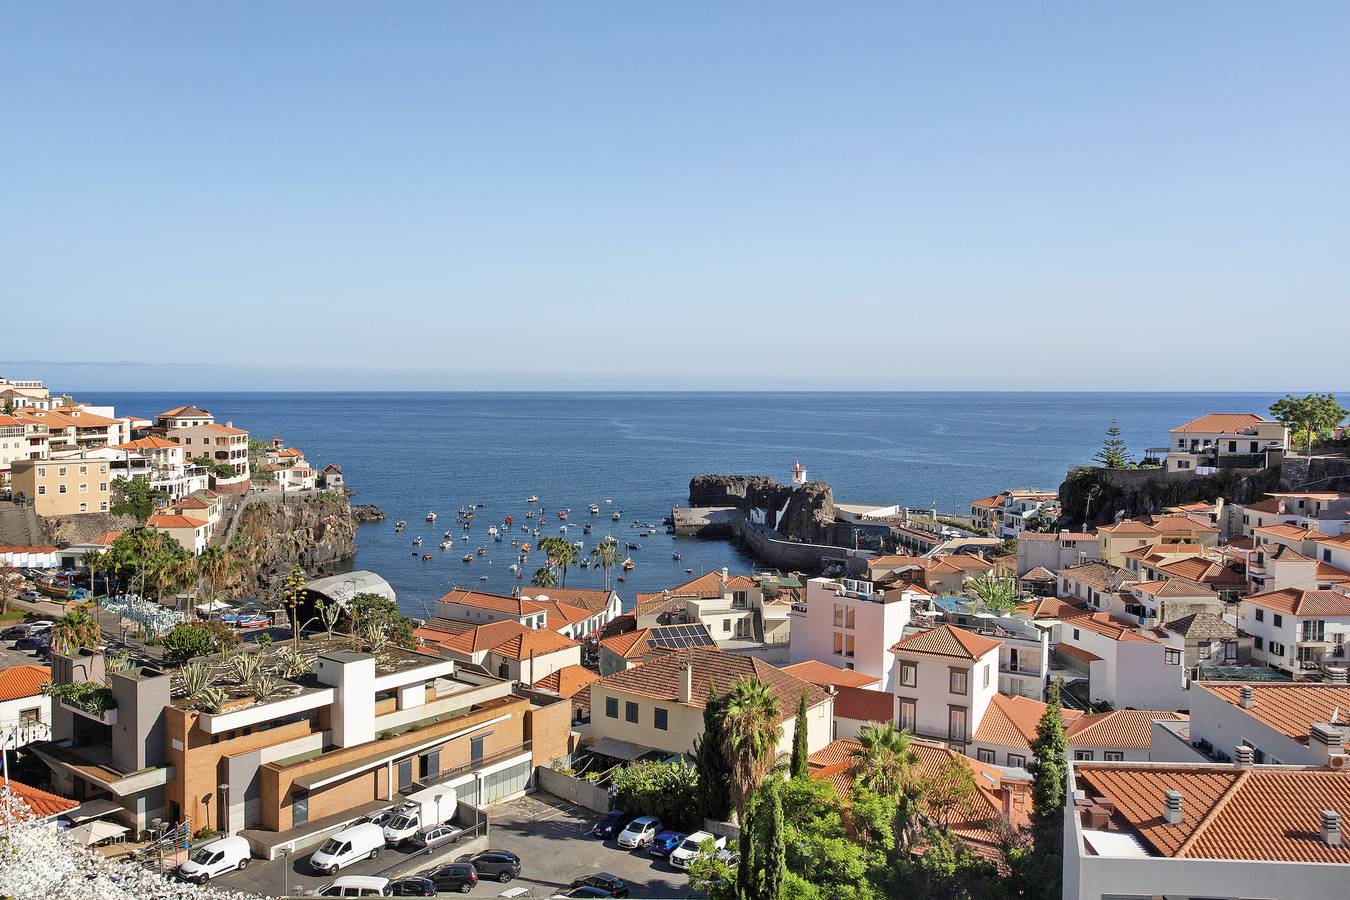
(435, 835)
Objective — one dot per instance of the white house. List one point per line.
(192, 535)
(945, 678)
(479, 608)
(1294, 629)
(25, 712)
(850, 624)
(1240, 440)
(506, 649)
(1288, 723)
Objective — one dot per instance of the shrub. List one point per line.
(668, 791)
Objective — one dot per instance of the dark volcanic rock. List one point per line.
(367, 512)
(809, 509)
(316, 531)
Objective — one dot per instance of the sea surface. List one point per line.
(413, 453)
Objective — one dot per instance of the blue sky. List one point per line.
(621, 195)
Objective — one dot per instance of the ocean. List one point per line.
(411, 453)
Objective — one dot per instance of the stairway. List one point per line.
(19, 526)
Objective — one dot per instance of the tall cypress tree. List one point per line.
(775, 848)
(714, 775)
(800, 752)
(1114, 454)
(1048, 772)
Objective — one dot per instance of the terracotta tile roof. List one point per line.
(1180, 525)
(224, 429)
(1130, 728)
(630, 644)
(1261, 813)
(185, 412)
(1039, 573)
(43, 804)
(864, 704)
(1106, 625)
(515, 606)
(1329, 573)
(19, 548)
(560, 615)
(660, 678)
(591, 600)
(1290, 708)
(1205, 571)
(168, 520)
(949, 641)
(1077, 653)
(1300, 602)
(1221, 423)
(1273, 505)
(822, 674)
(568, 680)
(988, 502)
(473, 639)
(1290, 532)
(1128, 526)
(106, 538)
(1103, 576)
(1046, 608)
(147, 443)
(1315, 495)
(1173, 587)
(533, 642)
(1011, 721)
(655, 604)
(21, 681)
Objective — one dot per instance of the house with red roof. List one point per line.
(1227, 440)
(25, 712)
(945, 678)
(1297, 630)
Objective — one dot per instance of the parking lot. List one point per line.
(551, 837)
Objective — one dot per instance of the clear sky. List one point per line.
(639, 195)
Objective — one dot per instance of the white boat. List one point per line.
(431, 517)
(447, 544)
(532, 499)
(580, 545)
(492, 531)
(594, 508)
(417, 542)
(615, 516)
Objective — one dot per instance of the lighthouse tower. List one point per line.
(798, 474)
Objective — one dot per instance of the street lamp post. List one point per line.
(285, 867)
(156, 827)
(223, 813)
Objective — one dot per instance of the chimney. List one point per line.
(1331, 828)
(1243, 756)
(687, 682)
(725, 576)
(1335, 674)
(1326, 739)
(1246, 697)
(1172, 812)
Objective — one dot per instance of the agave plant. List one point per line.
(292, 664)
(375, 638)
(246, 667)
(196, 679)
(264, 687)
(210, 699)
(119, 661)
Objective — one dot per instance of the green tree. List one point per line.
(77, 629)
(292, 594)
(949, 792)
(667, 790)
(773, 871)
(1313, 416)
(366, 610)
(543, 577)
(997, 594)
(714, 776)
(1113, 454)
(800, 766)
(187, 641)
(214, 565)
(92, 560)
(606, 555)
(1049, 769)
(753, 729)
(564, 554)
(883, 761)
(133, 497)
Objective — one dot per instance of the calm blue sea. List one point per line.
(415, 452)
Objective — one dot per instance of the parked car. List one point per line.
(639, 832)
(14, 632)
(610, 824)
(356, 886)
(380, 818)
(436, 835)
(226, 854)
(683, 855)
(31, 644)
(502, 865)
(352, 844)
(610, 885)
(585, 890)
(458, 876)
(40, 626)
(665, 842)
(411, 887)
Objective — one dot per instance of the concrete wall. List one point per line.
(573, 790)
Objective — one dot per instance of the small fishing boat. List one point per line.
(585, 562)
(466, 526)
(689, 571)
(492, 531)
(628, 564)
(482, 578)
(532, 499)
(562, 514)
(467, 557)
(513, 568)
(463, 537)
(580, 545)
(401, 523)
(632, 545)
(417, 542)
(519, 575)
(562, 530)
(524, 549)
(677, 555)
(426, 556)
(594, 508)
(498, 538)
(620, 578)
(525, 528)
(481, 550)
(446, 535)
(398, 529)
(644, 534)
(535, 533)
(431, 517)
(616, 517)
(530, 514)
(506, 520)
(607, 500)
(245, 620)
(586, 529)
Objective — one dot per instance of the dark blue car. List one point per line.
(665, 842)
(610, 824)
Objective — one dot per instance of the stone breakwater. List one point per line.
(807, 511)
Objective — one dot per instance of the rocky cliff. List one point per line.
(1094, 496)
(62, 531)
(271, 536)
(809, 512)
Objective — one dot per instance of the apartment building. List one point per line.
(633, 648)
(1204, 830)
(726, 604)
(1055, 551)
(945, 679)
(20, 439)
(1296, 630)
(480, 608)
(851, 624)
(23, 388)
(1324, 511)
(74, 428)
(657, 708)
(184, 417)
(505, 648)
(63, 487)
(359, 727)
(1008, 729)
(1226, 440)
(193, 535)
(223, 445)
(601, 606)
(1282, 723)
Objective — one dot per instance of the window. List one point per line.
(844, 615)
(84, 507)
(1016, 760)
(1113, 756)
(1276, 648)
(1260, 614)
(956, 723)
(1172, 657)
(475, 750)
(299, 807)
(29, 716)
(1258, 642)
(660, 718)
(843, 645)
(612, 707)
(103, 487)
(985, 756)
(726, 624)
(909, 674)
(42, 489)
(1232, 446)
(630, 711)
(1077, 635)
(1278, 621)
(61, 489)
(986, 676)
(908, 715)
(61, 471)
(956, 681)
(84, 487)
(1082, 756)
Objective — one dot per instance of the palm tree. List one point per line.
(543, 577)
(213, 565)
(885, 764)
(564, 554)
(606, 555)
(93, 561)
(997, 594)
(77, 629)
(753, 727)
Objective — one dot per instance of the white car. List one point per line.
(355, 886)
(682, 856)
(226, 854)
(351, 844)
(639, 832)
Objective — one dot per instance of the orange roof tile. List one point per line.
(1290, 708)
(21, 681)
(1131, 728)
(822, 674)
(147, 443)
(168, 520)
(43, 804)
(568, 681)
(515, 606)
(1300, 602)
(863, 704)
(1221, 423)
(947, 640)
(593, 600)
(1290, 532)
(660, 678)
(533, 642)
(1011, 721)
(1077, 653)
(629, 645)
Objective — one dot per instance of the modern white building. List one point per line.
(1296, 630)
(1291, 723)
(850, 624)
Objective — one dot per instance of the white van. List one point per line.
(355, 886)
(226, 854)
(351, 844)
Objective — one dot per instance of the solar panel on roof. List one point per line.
(680, 637)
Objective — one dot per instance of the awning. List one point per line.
(91, 833)
(624, 750)
(92, 809)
